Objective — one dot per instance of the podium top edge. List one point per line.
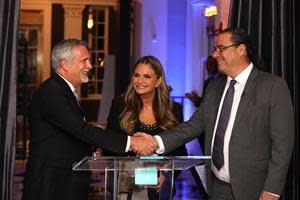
(154, 157)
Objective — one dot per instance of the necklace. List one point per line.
(148, 107)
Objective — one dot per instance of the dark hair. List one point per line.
(239, 36)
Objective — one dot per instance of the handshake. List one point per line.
(143, 144)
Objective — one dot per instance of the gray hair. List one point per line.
(63, 50)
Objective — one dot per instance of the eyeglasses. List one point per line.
(221, 48)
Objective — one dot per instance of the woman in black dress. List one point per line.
(146, 107)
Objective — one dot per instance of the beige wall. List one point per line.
(46, 9)
(73, 23)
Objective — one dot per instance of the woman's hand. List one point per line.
(161, 180)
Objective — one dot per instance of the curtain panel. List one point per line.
(9, 16)
(273, 26)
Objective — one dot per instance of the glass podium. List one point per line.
(143, 177)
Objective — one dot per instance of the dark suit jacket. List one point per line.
(262, 137)
(59, 137)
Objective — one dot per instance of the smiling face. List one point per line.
(226, 57)
(77, 66)
(232, 58)
(144, 80)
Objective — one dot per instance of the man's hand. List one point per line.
(194, 98)
(143, 144)
(268, 196)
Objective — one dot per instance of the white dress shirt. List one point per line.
(223, 173)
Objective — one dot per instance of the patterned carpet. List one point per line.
(186, 188)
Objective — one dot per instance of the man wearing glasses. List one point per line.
(247, 116)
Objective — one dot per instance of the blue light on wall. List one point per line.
(176, 46)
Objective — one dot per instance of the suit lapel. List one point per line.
(219, 92)
(245, 98)
(213, 109)
(69, 92)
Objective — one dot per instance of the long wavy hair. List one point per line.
(162, 103)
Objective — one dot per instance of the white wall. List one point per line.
(154, 29)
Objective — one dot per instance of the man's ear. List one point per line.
(63, 64)
(243, 50)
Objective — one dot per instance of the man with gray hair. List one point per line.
(59, 134)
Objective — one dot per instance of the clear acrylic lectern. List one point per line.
(138, 177)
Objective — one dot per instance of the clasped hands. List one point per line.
(143, 144)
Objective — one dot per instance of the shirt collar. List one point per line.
(68, 82)
(243, 76)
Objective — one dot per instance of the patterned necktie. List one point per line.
(76, 95)
(218, 154)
